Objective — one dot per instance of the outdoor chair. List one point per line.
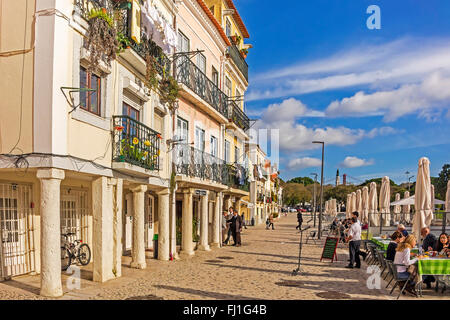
(398, 279)
(390, 265)
(311, 235)
(373, 256)
(442, 280)
(381, 260)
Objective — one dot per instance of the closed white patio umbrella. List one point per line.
(365, 205)
(348, 205)
(397, 209)
(353, 204)
(385, 201)
(358, 201)
(406, 208)
(334, 207)
(326, 207)
(423, 198)
(373, 205)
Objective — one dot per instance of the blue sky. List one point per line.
(380, 99)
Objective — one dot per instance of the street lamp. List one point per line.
(409, 179)
(321, 190)
(314, 201)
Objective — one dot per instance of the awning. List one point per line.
(410, 201)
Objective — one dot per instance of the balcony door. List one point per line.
(129, 127)
(199, 139)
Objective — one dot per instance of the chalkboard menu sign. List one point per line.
(329, 249)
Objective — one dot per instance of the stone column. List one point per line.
(217, 222)
(203, 245)
(50, 232)
(117, 228)
(138, 249)
(186, 229)
(163, 233)
(173, 226)
(237, 205)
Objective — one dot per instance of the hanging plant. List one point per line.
(151, 75)
(123, 41)
(101, 41)
(169, 91)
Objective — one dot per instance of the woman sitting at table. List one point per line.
(442, 245)
(403, 261)
(396, 238)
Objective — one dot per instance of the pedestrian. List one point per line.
(354, 242)
(243, 221)
(270, 219)
(236, 228)
(355, 214)
(224, 226)
(230, 232)
(299, 220)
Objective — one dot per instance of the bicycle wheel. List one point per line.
(84, 254)
(66, 258)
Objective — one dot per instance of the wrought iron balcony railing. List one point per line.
(135, 143)
(237, 177)
(236, 115)
(122, 19)
(191, 76)
(238, 60)
(193, 162)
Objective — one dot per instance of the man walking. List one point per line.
(224, 226)
(354, 242)
(243, 221)
(236, 228)
(355, 214)
(299, 220)
(270, 222)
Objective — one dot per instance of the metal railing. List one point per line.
(238, 116)
(238, 60)
(122, 20)
(193, 162)
(135, 143)
(191, 76)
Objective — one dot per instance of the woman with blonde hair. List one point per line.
(402, 261)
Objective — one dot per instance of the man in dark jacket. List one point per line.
(396, 237)
(299, 220)
(236, 227)
(429, 241)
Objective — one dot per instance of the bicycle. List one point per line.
(71, 251)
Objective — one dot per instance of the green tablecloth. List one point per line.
(382, 243)
(434, 266)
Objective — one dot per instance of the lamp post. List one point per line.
(319, 234)
(314, 201)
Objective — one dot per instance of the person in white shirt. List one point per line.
(354, 242)
(402, 261)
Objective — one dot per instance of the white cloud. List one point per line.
(401, 62)
(296, 137)
(426, 99)
(354, 162)
(302, 163)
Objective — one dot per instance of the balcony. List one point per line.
(238, 60)
(237, 177)
(135, 143)
(196, 163)
(238, 117)
(191, 76)
(122, 18)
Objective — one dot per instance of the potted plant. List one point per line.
(244, 53)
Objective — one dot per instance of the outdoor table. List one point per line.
(432, 266)
(384, 243)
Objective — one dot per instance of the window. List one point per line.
(90, 100)
(236, 155)
(228, 28)
(182, 129)
(214, 146)
(9, 220)
(201, 62)
(183, 43)
(228, 87)
(215, 76)
(200, 139)
(238, 98)
(128, 110)
(227, 151)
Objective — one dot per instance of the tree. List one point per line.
(440, 187)
(339, 193)
(302, 180)
(295, 193)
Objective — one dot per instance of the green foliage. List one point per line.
(195, 236)
(295, 193)
(303, 180)
(137, 153)
(169, 91)
(440, 185)
(102, 14)
(377, 181)
(339, 193)
(123, 41)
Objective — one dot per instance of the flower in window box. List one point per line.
(135, 140)
(144, 155)
(159, 152)
(147, 143)
(118, 128)
(159, 136)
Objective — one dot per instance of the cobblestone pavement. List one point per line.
(260, 269)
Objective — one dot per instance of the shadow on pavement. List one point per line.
(209, 294)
